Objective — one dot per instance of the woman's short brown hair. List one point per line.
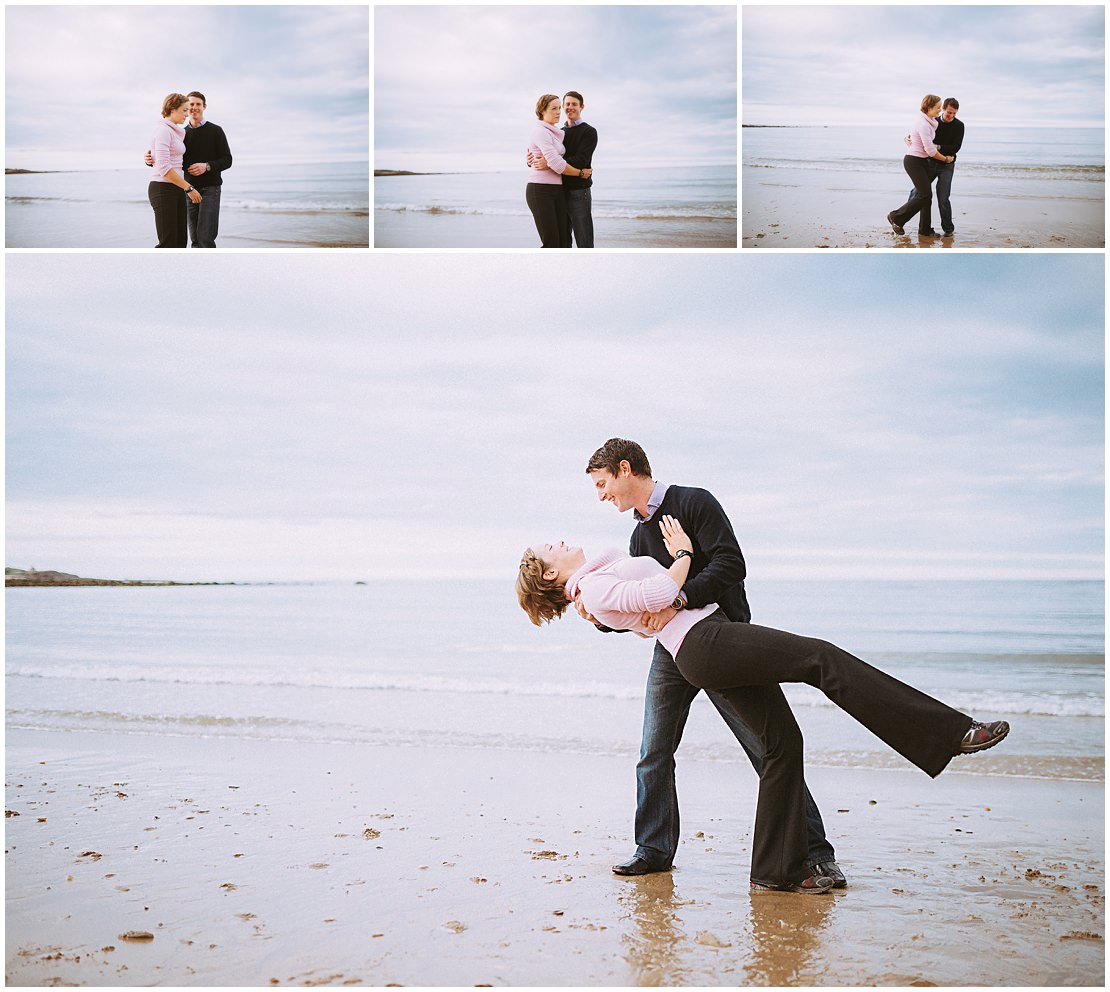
(542, 102)
(929, 100)
(172, 102)
(541, 599)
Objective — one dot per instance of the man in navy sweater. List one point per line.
(622, 476)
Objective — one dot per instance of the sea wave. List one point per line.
(1036, 766)
(230, 204)
(1000, 170)
(996, 700)
(701, 211)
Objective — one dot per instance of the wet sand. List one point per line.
(42, 224)
(795, 208)
(251, 863)
(395, 229)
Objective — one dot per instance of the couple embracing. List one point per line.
(931, 145)
(560, 168)
(683, 584)
(186, 160)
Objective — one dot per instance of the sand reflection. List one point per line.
(787, 937)
(655, 943)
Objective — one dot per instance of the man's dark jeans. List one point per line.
(580, 208)
(666, 707)
(944, 172)
(204, 217)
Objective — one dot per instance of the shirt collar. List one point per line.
(575, 124)
(655, 500)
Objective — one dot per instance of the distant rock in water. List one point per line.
(43, 578)
(33, 577)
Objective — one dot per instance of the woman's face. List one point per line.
(933, 111)
(551, 112)
(178, 116)
(559, 557)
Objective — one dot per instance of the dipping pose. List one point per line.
(740, 660)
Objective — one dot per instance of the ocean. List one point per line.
(646, 207)
(274, 206)
(457, 664)
(1055, 162)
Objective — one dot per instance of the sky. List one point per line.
(455, 87)
(1006, 65)
(276, 417)
(85, 84)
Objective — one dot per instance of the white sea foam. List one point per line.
(993, 702)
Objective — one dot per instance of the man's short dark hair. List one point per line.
(616, 450)
(197, 93)
(951, 101)
(577, 96)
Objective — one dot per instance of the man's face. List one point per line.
(615, 489)
(949, 113)
(572, 108)
(196, 109)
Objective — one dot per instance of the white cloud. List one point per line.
(268, 73)
(457, 398)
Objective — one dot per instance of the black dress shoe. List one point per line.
(830, 869)
(898, 228)
(638, 866)
(949, 234)
(928, 234)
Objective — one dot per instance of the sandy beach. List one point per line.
(324, 206)
(266, 863)
(800, 208)
(635, 208)
(445, 230)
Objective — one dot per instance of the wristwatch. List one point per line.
(677, 604)
(683, 553)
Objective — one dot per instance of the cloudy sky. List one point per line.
(85, 84)
(455, 88)
(1006, 65)
(274, 417)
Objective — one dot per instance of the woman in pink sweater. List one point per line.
(741, 660)
(167, 147)
(544, 193)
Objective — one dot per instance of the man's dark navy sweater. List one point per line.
(950, 136)
(717, 572)
(206, 143)
(579, 142)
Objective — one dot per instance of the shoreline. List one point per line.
(250, 862)
(805, 208)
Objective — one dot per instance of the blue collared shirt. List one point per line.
(655, 500)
